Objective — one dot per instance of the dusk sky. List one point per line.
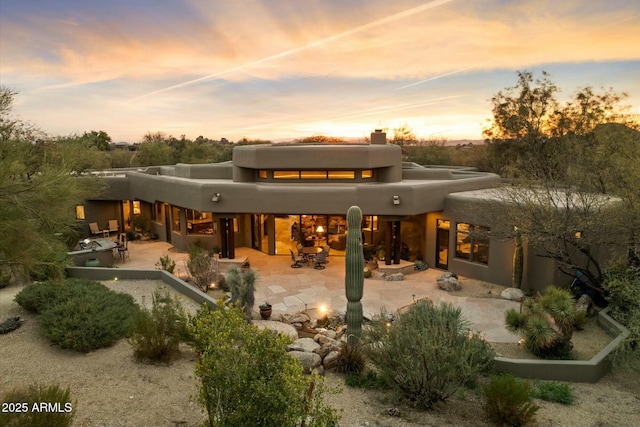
(285, 69)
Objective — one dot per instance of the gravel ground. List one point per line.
(111, 389)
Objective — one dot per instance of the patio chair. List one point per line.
(123, 248)
(93, 226)
(321, 258)
(113, 226)
(296, 260)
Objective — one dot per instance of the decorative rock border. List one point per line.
(582, 371)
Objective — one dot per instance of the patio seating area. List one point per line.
(294, 289)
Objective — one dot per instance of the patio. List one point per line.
(291, 290)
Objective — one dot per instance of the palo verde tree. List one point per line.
(38, 194)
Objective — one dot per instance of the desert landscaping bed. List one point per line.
(110, 388)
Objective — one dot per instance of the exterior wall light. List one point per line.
(216, 197)
(396, 200)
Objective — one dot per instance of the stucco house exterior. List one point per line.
(273, 197)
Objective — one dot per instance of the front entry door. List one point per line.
(442, 243)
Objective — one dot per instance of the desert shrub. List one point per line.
(86, 316)
(351, 359)
(243, 288)
(623, 287)
(37, 297)
(427, 353)
(5, 276)
(267, 386)
(508, 402)
(553, 391)
(156, 333)
(200, 267)
(367, 379)
(27, 397)
(546, 340)
(166, 263)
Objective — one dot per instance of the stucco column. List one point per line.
(397, 242)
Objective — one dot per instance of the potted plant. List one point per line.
(265, 310)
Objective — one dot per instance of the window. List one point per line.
(156, 212)
(342, 174)
(313, 174)
(136, 207)
(175, 213)
(369, 226)
(199, 222)
(286, 174)
(316, 174)
(80, 212)
(472, 243)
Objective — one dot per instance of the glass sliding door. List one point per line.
(442, 243)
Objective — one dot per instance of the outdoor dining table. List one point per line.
(310, 252)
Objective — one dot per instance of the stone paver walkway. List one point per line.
(290, 290)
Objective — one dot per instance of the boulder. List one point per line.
(322, 351)
(323, 340)
(319, 371)
(307, 360)
(303, 344)
(585, 305)
(448, 282)
(297, 318)
(279, 327)
(327, 333)
(512, 294)
(395, 277)
(331, 359)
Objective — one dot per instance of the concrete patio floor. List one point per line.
(290, 290)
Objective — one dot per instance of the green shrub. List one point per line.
(5, 276)
(37, 297)
(623, 287)
(553, 391)
(508, 402)
(427, 353)
(248, 379)
(351, 359)
(243, 288)
(201, 267)
(156, 333)
(368, 379)
(166, 263)
(84, 315)
(62, 416)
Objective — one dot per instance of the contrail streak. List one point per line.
(355, 30)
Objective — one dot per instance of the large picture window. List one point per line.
(199, 222)
(472, 243)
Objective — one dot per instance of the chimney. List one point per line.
(378, 137)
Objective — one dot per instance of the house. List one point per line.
(272, 197)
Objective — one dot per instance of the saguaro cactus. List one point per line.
(354, 277)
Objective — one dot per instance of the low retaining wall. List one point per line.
(581, 371)
(98, 274)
